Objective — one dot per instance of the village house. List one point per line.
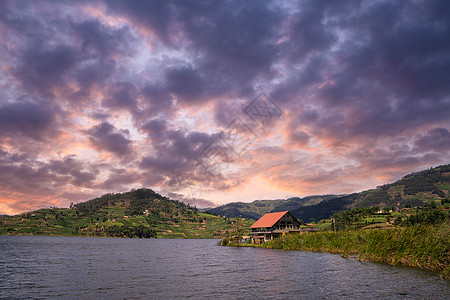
(273, 225)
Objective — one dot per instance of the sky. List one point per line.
(211, 102)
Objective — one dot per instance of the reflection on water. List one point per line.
(43, 267)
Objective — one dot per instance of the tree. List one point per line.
(428, 217)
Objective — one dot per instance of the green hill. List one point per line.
(416, 189)
(139, 213)
(258, 208)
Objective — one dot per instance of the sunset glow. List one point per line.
(218, 101)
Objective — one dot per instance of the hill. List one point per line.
(416, 189)
(139, 213)
(258, 208)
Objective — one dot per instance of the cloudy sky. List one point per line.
(218, 101)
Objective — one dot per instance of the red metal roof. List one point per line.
(268, 220)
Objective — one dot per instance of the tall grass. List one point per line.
(420, 246)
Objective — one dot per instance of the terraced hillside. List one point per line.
(140, 213)
(416, 189)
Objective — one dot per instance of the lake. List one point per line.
(108, 268)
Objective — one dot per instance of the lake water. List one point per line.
(107, 268)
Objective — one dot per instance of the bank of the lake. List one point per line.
(426, 247)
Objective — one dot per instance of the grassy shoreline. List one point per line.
(426, 247)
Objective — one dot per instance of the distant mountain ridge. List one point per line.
(415, 189)
(256, 209)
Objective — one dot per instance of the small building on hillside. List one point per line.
(273, 225)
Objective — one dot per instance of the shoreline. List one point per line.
(425, 247)
(114, 237)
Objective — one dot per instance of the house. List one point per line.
(273, 225)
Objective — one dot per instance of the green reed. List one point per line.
(423, 246)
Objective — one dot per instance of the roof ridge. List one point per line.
(269, 219)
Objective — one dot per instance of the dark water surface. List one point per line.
(106, 268)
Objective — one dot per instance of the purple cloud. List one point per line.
(363, 84)
(33, 119)
(437, 139)
(105, 137)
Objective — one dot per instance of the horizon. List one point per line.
(216, 102)
(192, 202)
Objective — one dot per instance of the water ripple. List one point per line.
(86, 268)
